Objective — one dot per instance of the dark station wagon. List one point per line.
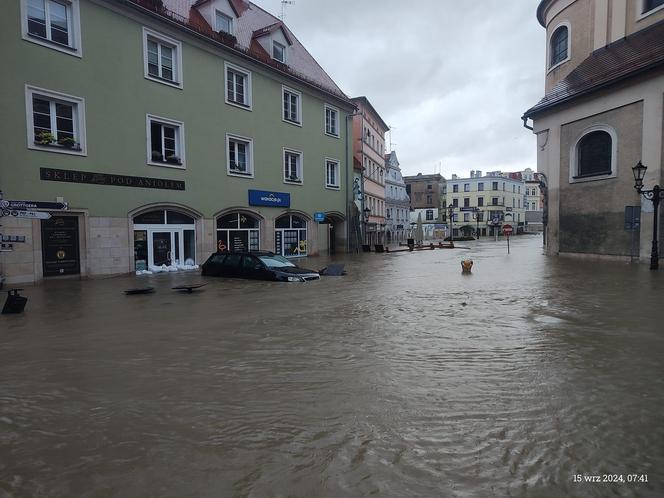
(257, 265)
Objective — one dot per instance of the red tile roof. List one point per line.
(271, 29)
(623, 59)
(301, 65)
(365, 101)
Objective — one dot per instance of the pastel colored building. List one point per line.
(171, 129)
(483, 203)
(369, 153)
(397, 202)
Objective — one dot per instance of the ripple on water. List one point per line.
(403, 378)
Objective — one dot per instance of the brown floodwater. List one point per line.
(403, 378)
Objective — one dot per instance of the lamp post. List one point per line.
(654, 195)
(476, 217)
(367, 212)
(545, 205)
(450, 218)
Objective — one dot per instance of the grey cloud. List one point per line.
(452, 77)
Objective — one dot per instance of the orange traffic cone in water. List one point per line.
(466, 265)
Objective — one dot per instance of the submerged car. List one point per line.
(257, 265)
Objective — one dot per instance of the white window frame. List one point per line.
(550, 68)
(285, 89)
(79, 120)
(177, 57)
(218, 13)
(338, 174)
(247, 86)
(641, 5)
(299, 166)
(275, 42)
(573, 156)
(179, 140)
(75, 47)
(250, 153)
(327, 107)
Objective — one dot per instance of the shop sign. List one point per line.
(71, 176)
(266, 198)
(319, 217)
(60, 246)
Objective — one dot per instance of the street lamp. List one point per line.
(450, 219)
(476, 217)
(654, 195)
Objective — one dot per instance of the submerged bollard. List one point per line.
(466, 266)
(14, 302)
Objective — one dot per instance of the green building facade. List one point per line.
(170, 129)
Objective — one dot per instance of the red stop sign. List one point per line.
(507, 229)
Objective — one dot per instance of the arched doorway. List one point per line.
(164, 237)
(290, 236)
(334, 237)
(238, 232)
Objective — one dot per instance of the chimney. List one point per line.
(472, 173)
(454, 177)
(478, 174)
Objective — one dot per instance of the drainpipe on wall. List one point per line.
(350, 193)
(365, 224)
(349, 196)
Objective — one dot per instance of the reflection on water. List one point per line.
(403, 378)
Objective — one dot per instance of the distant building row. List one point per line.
(478, 205)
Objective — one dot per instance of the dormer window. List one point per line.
(278, 52)
(559, 46)
(224, 23)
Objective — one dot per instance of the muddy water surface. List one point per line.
(403, 378)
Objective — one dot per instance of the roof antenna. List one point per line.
(392, 144)
(283, 8)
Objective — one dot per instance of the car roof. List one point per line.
(252, 253)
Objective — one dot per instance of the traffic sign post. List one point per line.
(29, 205)
(507, 231)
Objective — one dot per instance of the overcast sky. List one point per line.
(451, 77)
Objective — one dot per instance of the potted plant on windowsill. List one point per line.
(157, 156)
(294, 178)
(69, 143)
(44, 138)
(173, 160)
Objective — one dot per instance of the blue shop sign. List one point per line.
(265, 198)
(319, 217)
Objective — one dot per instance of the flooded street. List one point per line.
(404, 378)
